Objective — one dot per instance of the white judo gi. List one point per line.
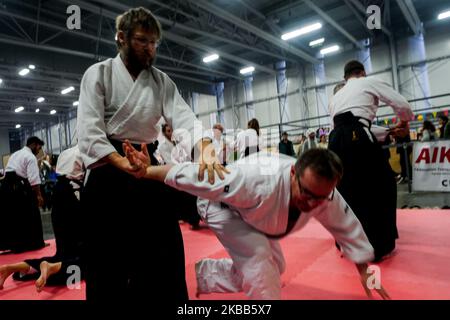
(252, 201)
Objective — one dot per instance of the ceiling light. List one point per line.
(18, 109)
(24, 72)
(330, 49)
(67, 90)
(316, 42)
(18, 126)
(37, 110)
(75, 103)
(444, 15)
(40, 99)
(53, 111)
(301, 31)
(210, 58)
(247, 70)
(31, 66)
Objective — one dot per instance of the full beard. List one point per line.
(136, 62)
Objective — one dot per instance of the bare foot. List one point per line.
(8, 269)
(47, 269)
(5, 272)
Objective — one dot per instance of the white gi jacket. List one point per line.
(258, 189)
(244, 139)
(165, 149)
(24, 163)
(361, 96)
(112, 105)
(70, 164)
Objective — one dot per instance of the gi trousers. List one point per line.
(21, 225)
(256, 262)
(368, 184)
(121, 215)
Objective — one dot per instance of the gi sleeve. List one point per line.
(179, 115)
(338, 218)
(234, 190)
(33, 171)
(92, 140)
(392, 98)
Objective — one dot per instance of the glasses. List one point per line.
(313, 197)
(144, 42)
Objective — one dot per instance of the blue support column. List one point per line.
(220, 102)
(321, 93)
(212, 119)
(194, 102)
(419, 73)
(282, 84)
(248, 91)
(363, 55)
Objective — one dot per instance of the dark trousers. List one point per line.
(67, 227)
(122, 214)
(405, 162)
(186, 208)
(21, 225)
(66, 219)
(368, 184)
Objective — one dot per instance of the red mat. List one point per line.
(18, 290)
(420, 269)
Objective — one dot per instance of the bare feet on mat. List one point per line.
(47, 269)
(4, 274)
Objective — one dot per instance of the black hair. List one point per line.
(253, 124)
(34, 140)
(353, 67)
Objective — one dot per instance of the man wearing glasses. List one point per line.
(264, 198)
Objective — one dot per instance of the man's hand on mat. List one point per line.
(367, 282)
(210, 162)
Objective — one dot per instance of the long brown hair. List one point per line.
(253, 124)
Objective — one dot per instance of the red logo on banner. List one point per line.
(435, 155)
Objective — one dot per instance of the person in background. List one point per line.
(247, 141)
(300, 145)
(165, 148)
(323, 143)
(21, 197)
(428, 131)
(353, 109)
(444, 127)
(310, 142)
(285, 146)
(67, 227)
(220, 144)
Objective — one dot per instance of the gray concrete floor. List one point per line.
(421, 199)
(47, 224)
(404, 199)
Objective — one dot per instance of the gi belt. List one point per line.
(17, 183)
(348, 118)
(366, 123)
